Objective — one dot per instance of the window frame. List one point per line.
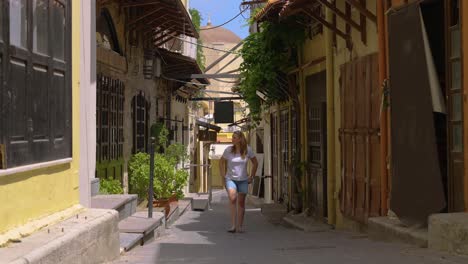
(50, 147)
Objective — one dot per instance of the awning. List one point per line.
(159, 18)
(270, 10)
(174, 64)
(208, 126)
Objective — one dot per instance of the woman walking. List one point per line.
(233, 166)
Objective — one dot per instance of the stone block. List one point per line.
(449, 232)
(390, 229)
(89, 237)
(95, 184)
(200, 202)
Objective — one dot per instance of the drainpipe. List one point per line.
(331, 175)
(381, 28)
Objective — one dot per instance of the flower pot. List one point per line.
(173, 198)
(164, 203)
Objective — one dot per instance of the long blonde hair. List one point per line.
(242, 144)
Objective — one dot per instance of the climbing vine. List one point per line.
(267, 56)
(196, 19)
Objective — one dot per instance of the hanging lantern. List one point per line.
(148, 65)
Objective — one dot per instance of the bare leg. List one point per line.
(232, 204)
(240, 212)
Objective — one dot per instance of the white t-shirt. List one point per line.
(236, 166)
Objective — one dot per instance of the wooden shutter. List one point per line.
(36, 80)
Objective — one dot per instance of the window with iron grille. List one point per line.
(109, 110)
(140, 114)
(35, 80)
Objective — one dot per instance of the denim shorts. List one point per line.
(239, 186)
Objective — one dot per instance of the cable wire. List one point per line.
(230, 20)
(227, 51)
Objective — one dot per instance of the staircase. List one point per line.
(134, 225)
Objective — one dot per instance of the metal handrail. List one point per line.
(210, 189)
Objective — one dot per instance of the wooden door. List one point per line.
(317, 158)
(359, 139)
(317, 144)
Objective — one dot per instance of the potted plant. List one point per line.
(177, 155)
(169, 180)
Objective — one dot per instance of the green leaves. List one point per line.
(266, 57)
(110, 186)
(196, 19)
(167, 179)
(177, 153)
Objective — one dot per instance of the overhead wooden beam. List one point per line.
(348, 27)
(227, 64)
(309, 64)
(168, 34)
(253, 2)
(224, 56)
(363, 23)
(128, 5)
(215, 98)
(326, 24)
(363, 10)
(168, 38)
(341, 14)
(150, 23)
(149, 13)
(210, 76)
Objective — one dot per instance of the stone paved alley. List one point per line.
(201, 238)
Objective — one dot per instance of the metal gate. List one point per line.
(359, 139)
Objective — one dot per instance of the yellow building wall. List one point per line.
(313, 50)
(217, 180)
(35, 194)
(343, 55)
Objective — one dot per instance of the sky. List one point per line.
(221, 11)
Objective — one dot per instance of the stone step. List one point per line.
(125, 204)
(306, 223)
(173, 214)
(391, 229)
(199, 201)
(449, 232)
(139, 223)
(92, 233)
(129, 240)
(184, 205)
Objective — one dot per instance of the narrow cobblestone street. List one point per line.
(201, 237)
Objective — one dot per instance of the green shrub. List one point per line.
(177, 153)
(164, 176)
(110, 186)
(139, 173)
(181, 177)
(138, 169)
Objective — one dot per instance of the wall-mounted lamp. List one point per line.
(148, 65)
